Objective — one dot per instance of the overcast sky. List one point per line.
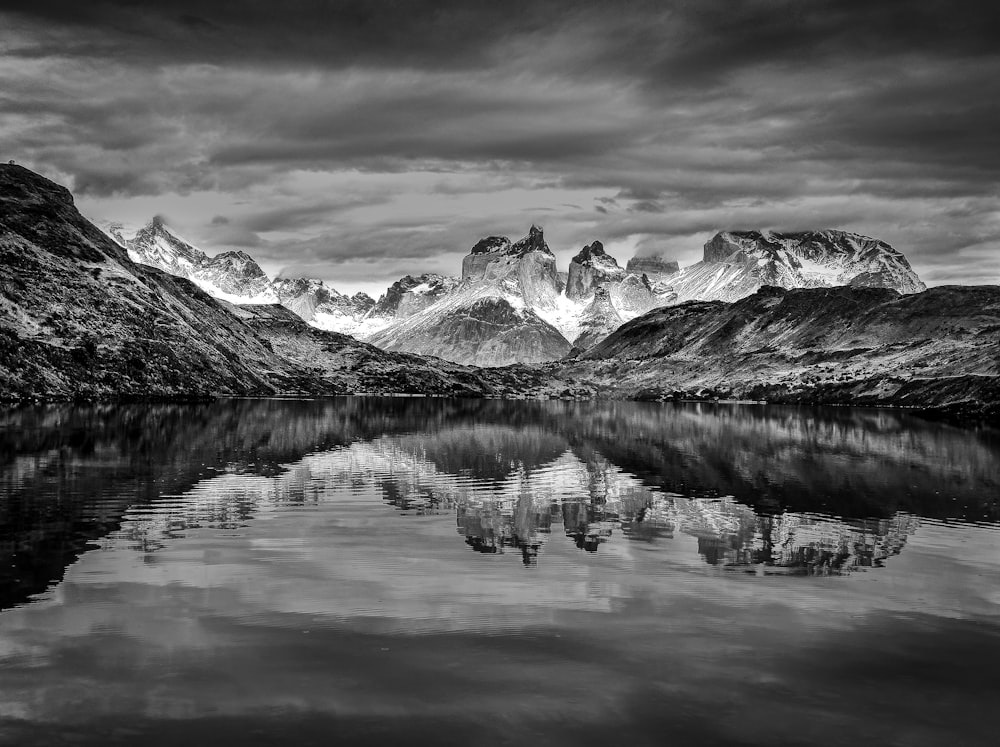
(359, 141)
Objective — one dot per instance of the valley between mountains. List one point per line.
(823, 317)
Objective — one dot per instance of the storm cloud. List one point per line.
(356, 140)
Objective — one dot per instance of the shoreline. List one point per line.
(962, 414)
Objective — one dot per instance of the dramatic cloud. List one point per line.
(359, 140)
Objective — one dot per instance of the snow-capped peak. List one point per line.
(737, 263)
(232, 276)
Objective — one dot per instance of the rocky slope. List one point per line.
(483, 323)
(352, 366)
(322, 306)
(860, 345)
(738, 263)
(493, 317)
(591, 268)
(410, 294)
(79, 318)
(512, 305)
(599, 319)
(233, 276)
(655, 267)
(236, 277)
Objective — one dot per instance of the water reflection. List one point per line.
(767, 490)
(366, 571)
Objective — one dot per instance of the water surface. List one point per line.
(377, 570)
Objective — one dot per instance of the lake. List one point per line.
(478, 572)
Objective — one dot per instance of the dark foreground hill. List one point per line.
(845, 345)
(79, 319)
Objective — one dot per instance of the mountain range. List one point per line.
(846, 344)
(236, 277)
(80, 318)
(512, 305)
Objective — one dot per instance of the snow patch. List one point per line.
(565, 315)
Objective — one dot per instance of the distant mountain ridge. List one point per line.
(236, 277)
(232, 276)
(80, 319)
(738, 263)
(410, 294)
(513, 305)
(494, 316)
(512, 300)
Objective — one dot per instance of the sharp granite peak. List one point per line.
(231, 276)
(512, 304)
(591, 267)
(500, 312)
(236, 277)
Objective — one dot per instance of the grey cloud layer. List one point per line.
(694, 41)
(677, 118)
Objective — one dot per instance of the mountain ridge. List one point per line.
(236, 277)
(504, 275)
(80, 319)
(841, 345)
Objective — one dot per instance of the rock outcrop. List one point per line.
(237, 274)
(737, 263)
(591, 268)
(232, 276)
(494, 317)
(484, 323)
(410, 294)
(600, 319)
(322, 306)
(484, 252)
(654, 267)
(529, 263)
(634, 295)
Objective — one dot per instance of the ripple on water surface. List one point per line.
(379, 569)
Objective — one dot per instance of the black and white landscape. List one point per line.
(822, 317)
(542, 373)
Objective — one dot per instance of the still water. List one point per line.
(424, 571)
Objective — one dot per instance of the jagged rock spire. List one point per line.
(533, 242)
(593, 251)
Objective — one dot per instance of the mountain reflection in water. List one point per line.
(769, 490)
(423, 571)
